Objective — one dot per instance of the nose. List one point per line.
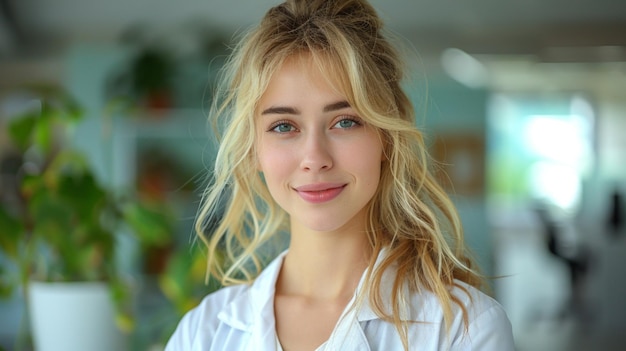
(316, 155)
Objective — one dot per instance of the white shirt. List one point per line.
(241, 317)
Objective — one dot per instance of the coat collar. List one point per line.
(364, 311)
(252, 311)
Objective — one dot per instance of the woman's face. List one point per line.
(320, 160)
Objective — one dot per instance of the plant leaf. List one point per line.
(11, 232)
(152, 226)
(21, 130)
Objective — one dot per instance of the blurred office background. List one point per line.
(523, 102)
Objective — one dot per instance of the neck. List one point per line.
(325, 265)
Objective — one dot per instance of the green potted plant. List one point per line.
(146, 79)
(66, 226)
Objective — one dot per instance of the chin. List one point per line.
(324, 225)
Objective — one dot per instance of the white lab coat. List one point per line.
(242, 318)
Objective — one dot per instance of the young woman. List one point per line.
(319, 142)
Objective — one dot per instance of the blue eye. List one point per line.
(282, 127)
(346, 123)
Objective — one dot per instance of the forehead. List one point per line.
(323, 67)
(301, 78)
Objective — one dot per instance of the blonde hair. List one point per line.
(410, 215)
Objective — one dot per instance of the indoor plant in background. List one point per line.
(146, 80)
(165, 70)
(65, 229)
(184, 284)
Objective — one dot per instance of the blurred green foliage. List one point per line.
(66, 225)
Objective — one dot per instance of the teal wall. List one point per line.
(453, 108)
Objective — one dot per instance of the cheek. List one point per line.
(370, 147)
(273, 162)
(370, 167)
(371, 170)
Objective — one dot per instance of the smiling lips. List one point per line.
(320, 192)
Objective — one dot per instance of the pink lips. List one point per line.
(319, 192)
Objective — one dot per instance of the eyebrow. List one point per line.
(336, 106)
(280, 110)
(286, 110)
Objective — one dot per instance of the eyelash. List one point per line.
(357, 122)
(276, 124)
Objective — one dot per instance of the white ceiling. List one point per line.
(592, 32)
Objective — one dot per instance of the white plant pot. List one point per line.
(73, 317)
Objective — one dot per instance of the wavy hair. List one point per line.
(410, 216)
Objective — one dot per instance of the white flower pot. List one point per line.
(73, 317)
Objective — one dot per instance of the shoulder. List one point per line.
(198, 326)
(467, 304)
(478, 321)
(474, 300)
(486, 327)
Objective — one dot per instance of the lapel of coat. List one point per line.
(348, 334)
(253, 311)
